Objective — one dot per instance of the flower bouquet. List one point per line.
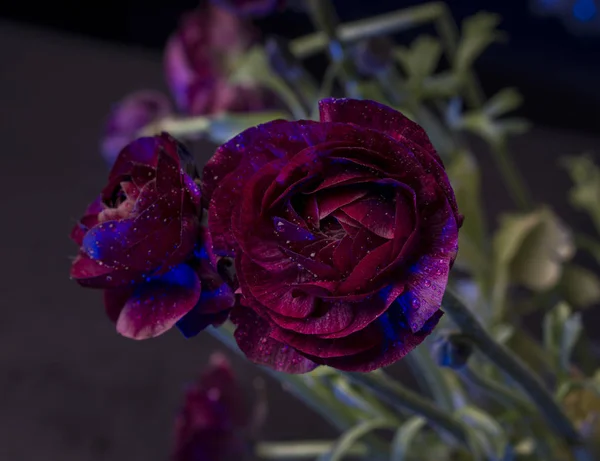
(339, 229)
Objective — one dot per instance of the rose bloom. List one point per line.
(198, 57)
(141, 241)
(212, 422)
(343, 232)
(250, 7)
(129, 116)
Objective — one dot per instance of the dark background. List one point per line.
(558, 71)
(71, 389)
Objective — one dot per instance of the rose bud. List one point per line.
(142, 243)
(198, 57)
(343, 232)
(251, 7)
(129, 116)
(214, 417)
(452, 351)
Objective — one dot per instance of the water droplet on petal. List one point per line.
(415, 303)
(427, 283)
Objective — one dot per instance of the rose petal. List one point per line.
(89, 220)
(377, 214)
(337, 316)
(278, 297)
(427, 279)
(311, 345)
(375, 116)
(395, 346)
(252, 336)
(93, 274)
(157, 305)
(330, 200)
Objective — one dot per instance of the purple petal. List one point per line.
(391, 348)
(89, 220)
(330, 200)
(90, 273)
(277, 296)
(427, 279)
(375, 116)
(156, 306)
(253, 337)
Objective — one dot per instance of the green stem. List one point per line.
(511, 175)
(400, 398)
(385, 24)
(324, 18)
(496, 390)
(517, 370)
(430, 377)
(303, 449)
(333, 412)
(449, 33)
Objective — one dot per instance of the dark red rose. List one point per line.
(129, 116)
(198, 57)
(250, 7)
(211, 425)
(343, 232)
(141, 241)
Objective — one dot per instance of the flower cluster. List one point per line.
(341, 232)
(198, 59)
(141, 241)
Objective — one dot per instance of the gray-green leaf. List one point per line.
(478, 32)
(585, 194)
(561, 331)
(404, 437)
(350, 437)
(580, 286)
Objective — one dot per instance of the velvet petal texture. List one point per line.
(141, 241)
(343, 232)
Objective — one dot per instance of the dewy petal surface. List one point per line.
(156, 306)
(253, 337)
(343, 232)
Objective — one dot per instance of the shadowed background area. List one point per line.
(70, 387)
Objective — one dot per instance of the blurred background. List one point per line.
(70, 387)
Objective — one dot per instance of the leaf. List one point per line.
(585, 194)
(580, 286)
(350, 437)
(419, 62)
(488, 431)
(506, 100)
(532, 248)
(404, 437)
(478, 32)
(561, 331)
(421, 59)
(466, 181)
